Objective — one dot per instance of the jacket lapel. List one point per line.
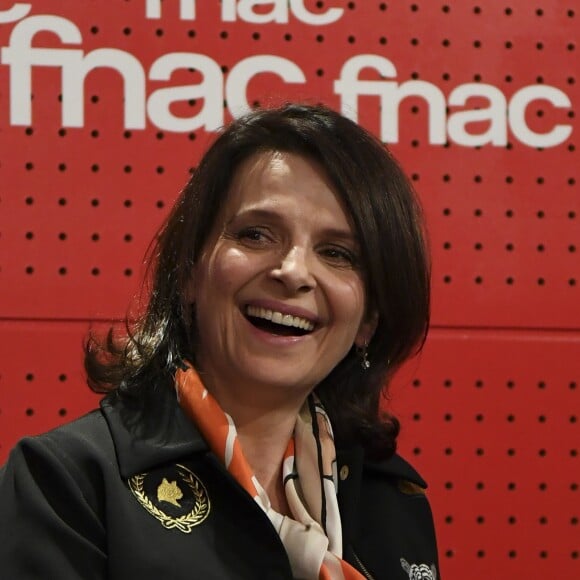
(144, 440)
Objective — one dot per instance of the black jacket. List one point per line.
(110, 496)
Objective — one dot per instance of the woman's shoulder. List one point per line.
(77, 447)
(396, 469)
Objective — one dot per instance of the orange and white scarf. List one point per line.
(313, 536)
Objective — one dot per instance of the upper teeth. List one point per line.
(279, 318)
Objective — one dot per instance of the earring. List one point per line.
(363, 353)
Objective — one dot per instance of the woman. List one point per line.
(241, 436)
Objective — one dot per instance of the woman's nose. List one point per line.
(295, 271)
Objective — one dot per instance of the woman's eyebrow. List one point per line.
(257, 212)
(341, 234)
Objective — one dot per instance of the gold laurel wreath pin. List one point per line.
(186, 522)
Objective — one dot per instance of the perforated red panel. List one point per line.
(478, 102)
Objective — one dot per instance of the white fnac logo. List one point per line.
(140, 104)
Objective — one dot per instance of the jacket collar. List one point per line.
(396, 467)
(146, 440)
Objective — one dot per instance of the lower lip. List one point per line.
(275, 339)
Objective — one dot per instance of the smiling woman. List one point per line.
(240, 435)
(283, 244)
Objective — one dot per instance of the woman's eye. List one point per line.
(339, 255)
(253, 236)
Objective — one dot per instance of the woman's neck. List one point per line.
(264, 418)
(264, 441)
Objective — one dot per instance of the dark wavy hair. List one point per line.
(389, 225)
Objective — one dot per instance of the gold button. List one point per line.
(344, 472)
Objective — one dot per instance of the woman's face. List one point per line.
(279, 297)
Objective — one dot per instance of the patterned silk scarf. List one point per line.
(313, 536)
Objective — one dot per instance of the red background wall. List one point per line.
(490, 409)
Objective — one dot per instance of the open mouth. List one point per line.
(277, 323)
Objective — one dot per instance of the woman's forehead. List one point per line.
(270, 179)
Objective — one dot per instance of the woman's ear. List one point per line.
(367, 329)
